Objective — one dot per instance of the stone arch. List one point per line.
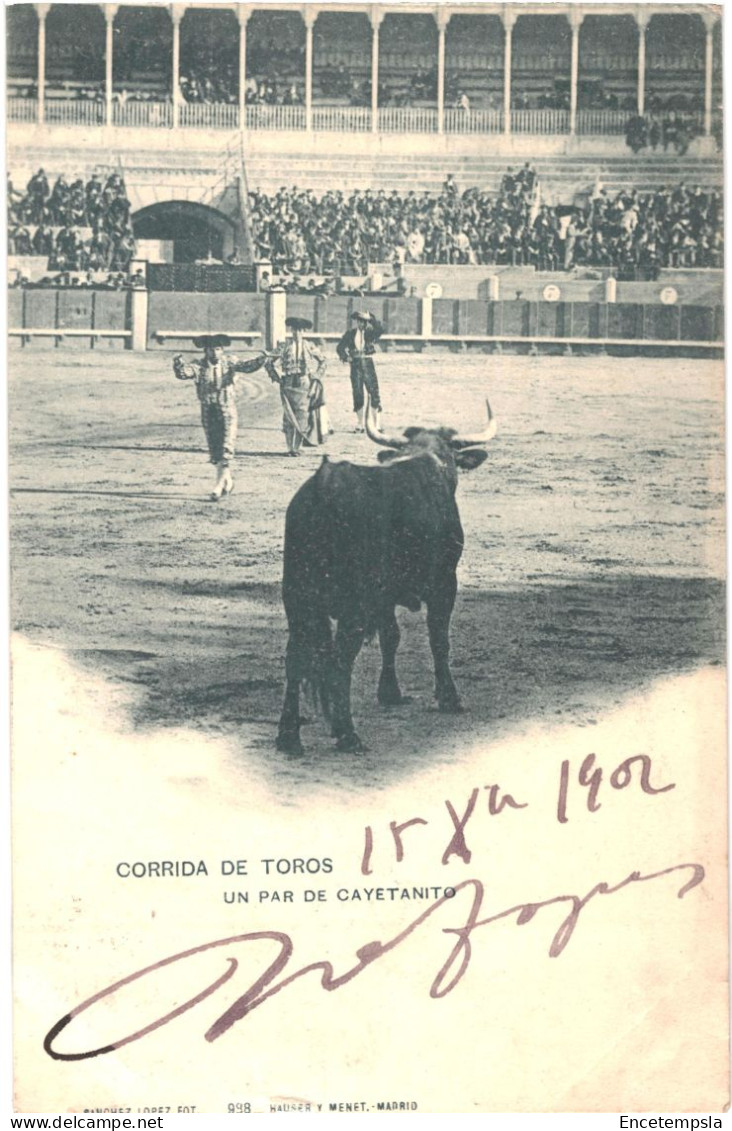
(195, 230)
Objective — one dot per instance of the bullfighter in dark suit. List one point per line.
(357, 348)
(214, 375)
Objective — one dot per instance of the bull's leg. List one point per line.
(348, 641)
(439, 611)
(288, 734)
(389, 693)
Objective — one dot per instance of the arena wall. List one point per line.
(698, 285)
(58, 316)
(174, 318)
(80, 318)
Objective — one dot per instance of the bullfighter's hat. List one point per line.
(295, 323)
(212, 340)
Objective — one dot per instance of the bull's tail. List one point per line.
(310, 654)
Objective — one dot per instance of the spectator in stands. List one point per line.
(415, 247)
(37, 194)
(42, 242)
(293, 96)
(19, 242)
(463, 102)
(58, 201)
(12, 194)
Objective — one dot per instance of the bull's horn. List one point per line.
(396, 443)
(480, 437)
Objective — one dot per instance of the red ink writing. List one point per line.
(457, 845)
(591, 777)
(269, 982)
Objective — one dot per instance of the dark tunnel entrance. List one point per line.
(195, 231)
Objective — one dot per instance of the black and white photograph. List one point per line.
(367, 560)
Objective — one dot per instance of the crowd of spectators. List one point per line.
(84, 228)
(76, 225)
(84, 280)
(673, 227)
(341, 234)
(209, 73)
(270, 91)
(672, 130)
(208, 84)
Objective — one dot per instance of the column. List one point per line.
(243, 13)
(376, 16)
(709, 21)
(139, 301)
(276, 308)
(642, 19)
(509, 19)
(176, 12)
(442, 17)
(42, 11)
(110, 11)
(309, 16)
(575, 18)
(425, 320)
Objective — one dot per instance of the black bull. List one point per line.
(358, 542)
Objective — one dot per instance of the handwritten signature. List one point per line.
(266, 986)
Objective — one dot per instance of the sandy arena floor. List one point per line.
(593, 562)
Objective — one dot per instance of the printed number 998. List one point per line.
(244, 1109)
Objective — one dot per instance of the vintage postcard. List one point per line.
(367, 558)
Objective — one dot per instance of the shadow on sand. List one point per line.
(561, 652)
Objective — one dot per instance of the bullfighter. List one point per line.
(356, 348)
(215, 375)
(298, 366)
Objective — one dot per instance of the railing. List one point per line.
(540, 121)
(244, 203)
(22, 109)
(209, 115)
(345, 119)
(458, 121)
(275, 117)
(692, 61)
(615, 121)
(230, 170)
(602, 121)
(74, 112)
(341, 119)
(137, 114)
(408, 119)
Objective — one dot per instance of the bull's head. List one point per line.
(447, 445)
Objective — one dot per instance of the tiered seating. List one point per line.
(561, 177)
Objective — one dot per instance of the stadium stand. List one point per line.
(300, 117)
(76, 227)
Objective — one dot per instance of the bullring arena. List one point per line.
(594, 527)
(593, 561)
